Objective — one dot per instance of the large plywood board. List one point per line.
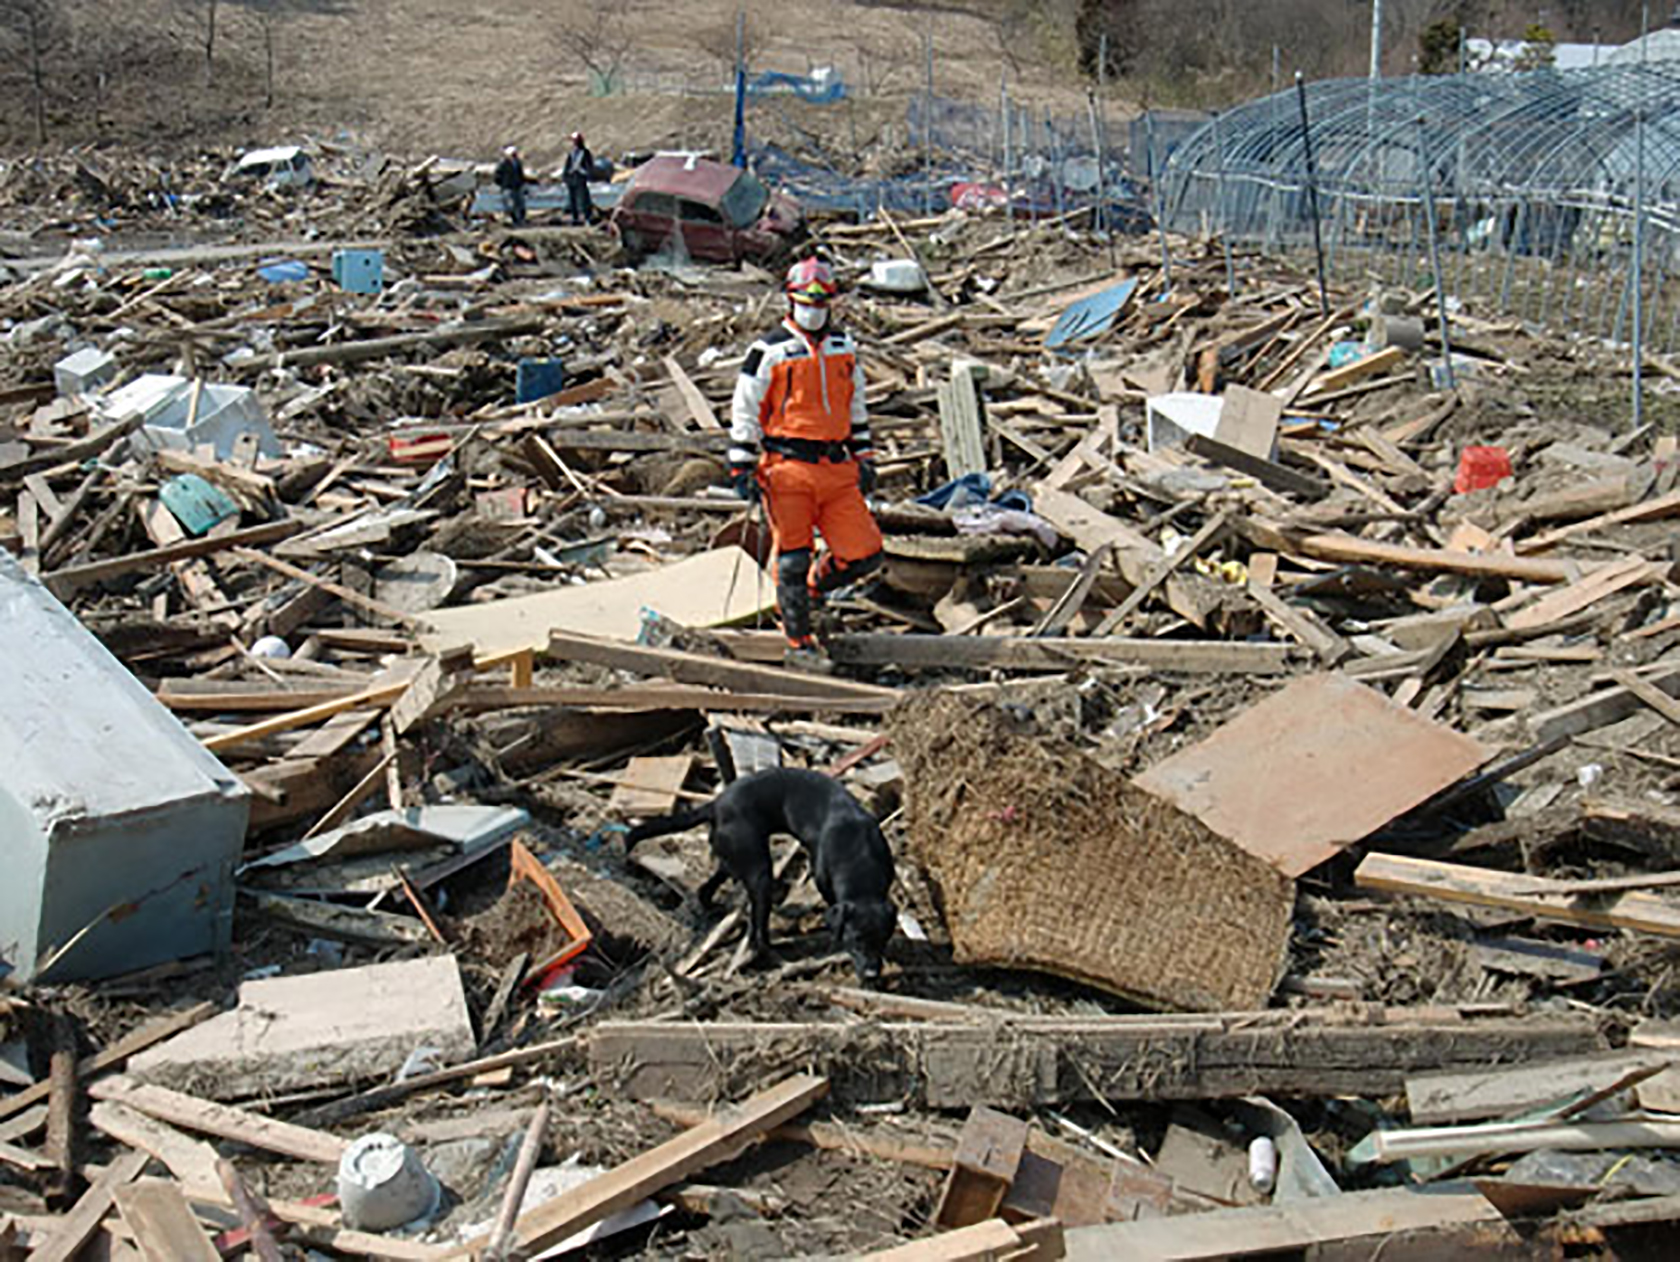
(1313, 769)
(710, 589)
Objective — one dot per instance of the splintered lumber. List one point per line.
(1649, 510)
(1565, 602)
(1268, 472)
(67, 580)
(1650, 694)
(76, 1228)
(1161, 571)
(1288, 1228)
(988, 1155)
(1467, 1095)
(676, 1159)
(828, 1135)
(698, 407)
(945, 652)
(1303, 624)
(163, 1225)
(109, 1058)
(656, 697)
(1359, 370)
(715, 672)
(72, 453)
(1025, 1063)
(1457, 883)
(379, 347)
(1600, 708)
(221, 1120)
(193, 1161)
(1337, 546)
(982, 1242)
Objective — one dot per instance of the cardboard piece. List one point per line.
(1312, 769)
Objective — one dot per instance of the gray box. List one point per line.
(119, 832)
(224, 413)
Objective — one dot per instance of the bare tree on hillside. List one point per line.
(31, 31)
(200, 18)
(739, 38)
(599, 38)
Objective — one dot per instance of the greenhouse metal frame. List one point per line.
(1541, 183)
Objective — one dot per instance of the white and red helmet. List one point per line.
(811, 283)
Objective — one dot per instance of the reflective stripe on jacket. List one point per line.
(799, 385)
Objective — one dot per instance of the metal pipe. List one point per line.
(1224, 208)
(1312, 193)
(1428, 183)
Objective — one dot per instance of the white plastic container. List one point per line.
(1262, 1164)
(897, 276)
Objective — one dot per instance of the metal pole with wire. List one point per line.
(1224, 207)
(1638, 268)
(1312, 193)
(1157, 184)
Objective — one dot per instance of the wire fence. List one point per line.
(1548, 197)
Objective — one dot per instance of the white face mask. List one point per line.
(809, 318)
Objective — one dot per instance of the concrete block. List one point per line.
(317, 1029)
(119, 830)
(224, 413)
(84, 372)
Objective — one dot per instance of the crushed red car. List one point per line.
(723, 214)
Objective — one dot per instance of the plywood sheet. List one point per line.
(710, 589)
(649, 785)
(1312, 769)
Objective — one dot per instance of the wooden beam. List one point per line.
(1456, 883)
(943, 652)
(1567, 601)
(349, 596)
(1268, 472)
(1465, 1095)
(1161, 571)
(1286, 1229)
(192, 1161)
(982, 1242)
(1335, 546)
(222, 1120)
(71, 453)
(69, 579)
(1648, 510)
(1014, 1064)
(1598, 709)
(670, 1162)
(379, 347)
(696, 668)
(131, 1044)
(668, 697)
(1649, 693)
(163, 1225)
(1303, 624)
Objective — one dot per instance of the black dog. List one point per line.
(850, 859)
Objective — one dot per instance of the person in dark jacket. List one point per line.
(580, 166)
(510, 178)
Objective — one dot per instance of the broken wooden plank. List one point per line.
(1565, 602)
(1306, 626)
(698, 407)
(76, 1228)
(1648, 510)
(1336, 546)
(135, 1041)
(982, 1242)
(1267, 472)
(1466, 1095)
(1649, 693)
(221, 1120)
(163, 1224)
(944, 652)
(1599, 709)
(378, 347)
(1296, 1226)
(960, 425)
(193, 1161)
(63, 582)
(650, 784)
(1161, 571)
(670, 1162)
(1023, 1063)
(696, 668)
(1425, 878)
(983, 1169)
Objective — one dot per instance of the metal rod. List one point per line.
(1312, 193)
(1639, 266)
(1224, 208)
(1157, 186)
(1428, 181)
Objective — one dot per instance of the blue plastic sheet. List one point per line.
(1090, 317)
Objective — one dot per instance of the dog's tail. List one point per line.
(662, 825)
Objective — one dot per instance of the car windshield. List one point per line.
(744, 202)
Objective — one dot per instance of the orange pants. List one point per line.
(800, 497)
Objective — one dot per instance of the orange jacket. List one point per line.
(803, 386)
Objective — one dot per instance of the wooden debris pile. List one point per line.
(1365, 693)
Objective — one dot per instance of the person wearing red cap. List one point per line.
(800, 442)
(575, 174)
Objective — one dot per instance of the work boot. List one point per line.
(807, 656)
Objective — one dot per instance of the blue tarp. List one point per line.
(1090, 317)
(803, 86)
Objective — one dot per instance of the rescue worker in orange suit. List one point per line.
(800, 442)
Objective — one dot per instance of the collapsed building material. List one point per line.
(121, 831)
(1312, 769)
(1016, 830)
(292, 1033)
(1023, 1063)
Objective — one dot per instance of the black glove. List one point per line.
(866, 476)
(744, 479)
